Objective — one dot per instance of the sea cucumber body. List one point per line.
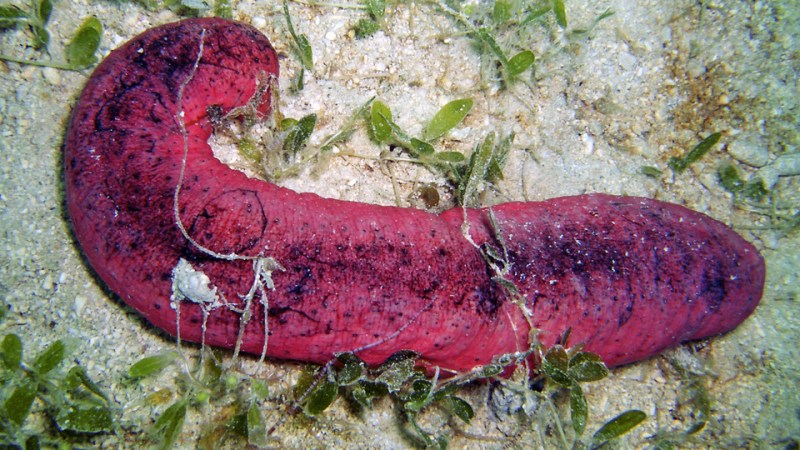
(630, 276)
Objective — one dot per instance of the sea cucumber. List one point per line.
(630, 276)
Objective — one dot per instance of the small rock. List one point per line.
(28, 72)
(750, 149)
(131, 21)
(771, 239)
(769, 176)
(709, 180)
(47, 282)
(52, 76)
(695, 68)
(783, 166)
(627, 61)
(78, 304)
(259, 22)
(166, 16)
(787, 165)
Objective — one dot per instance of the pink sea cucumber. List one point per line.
(630, 276)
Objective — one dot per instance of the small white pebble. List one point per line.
(460, 134)
(28, 72)
(259, 22)
(47, 283)
(695, 68)
(52, 76)
(131, 21)
(627, 61)
(78, 304)
(166, 16)
(588, 143)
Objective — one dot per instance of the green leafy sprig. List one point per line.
(36, 19)
(302, 49)
(237, 399)
(679, 165)
(79, 52)
(568, 368)
(398, 378)
(365, 27)
(72, 401)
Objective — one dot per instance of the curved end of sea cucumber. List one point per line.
(629, 276)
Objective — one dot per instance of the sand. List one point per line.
(644, 85)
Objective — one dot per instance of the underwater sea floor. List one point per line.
(606, 99)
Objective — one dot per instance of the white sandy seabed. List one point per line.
(646, 84)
